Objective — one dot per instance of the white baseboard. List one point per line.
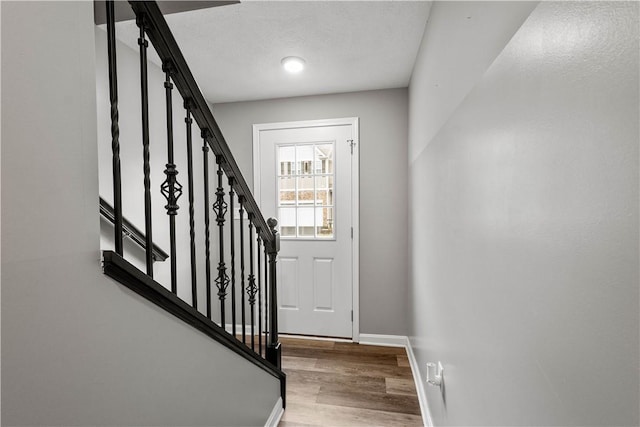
(384, 340)
(417, 379)
(403, 341)
(276, 414)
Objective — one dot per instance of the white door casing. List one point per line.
(306, 175)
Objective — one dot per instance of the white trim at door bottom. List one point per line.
(311, 337)
(403, 341)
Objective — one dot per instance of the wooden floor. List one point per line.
(344, 384)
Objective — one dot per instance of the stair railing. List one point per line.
(256, 285)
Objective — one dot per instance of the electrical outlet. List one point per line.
(435, 374)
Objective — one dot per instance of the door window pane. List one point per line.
(305, 183)
(304, 159)
(306, 222)
(306, 192)
(286, 160)
(287, 222)
(324, 190)
(286, 191)
(286, 168)
(324, 222)
(324, 158)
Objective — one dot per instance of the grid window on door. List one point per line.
(306, 187)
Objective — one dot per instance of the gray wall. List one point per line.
(383, 185)
(78, 348)
(524, 223)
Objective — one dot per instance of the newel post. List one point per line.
(274, 350)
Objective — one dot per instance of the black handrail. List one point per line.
(131, 231)
(167, 48)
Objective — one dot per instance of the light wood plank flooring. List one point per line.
(344, 384)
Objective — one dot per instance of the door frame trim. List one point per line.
(355, 193)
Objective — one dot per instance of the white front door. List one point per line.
(305, 181)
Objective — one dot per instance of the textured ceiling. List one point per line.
(234, 51)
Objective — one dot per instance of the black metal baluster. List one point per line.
(220, 209)
(258, 243)
(252, 289)
(207, 251)
(274, 349)
(171, 189)
(192, 234)
(144, 89)
(233, 259)
(244, 327)
(115, 129)
(266, 295)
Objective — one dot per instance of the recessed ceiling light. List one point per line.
(293, 64)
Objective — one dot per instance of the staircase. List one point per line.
(251, 331)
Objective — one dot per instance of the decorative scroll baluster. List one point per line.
(274, 349)
(258, 242)
(192, 234)
(233, 258)
(244, 327)
(220, 209)
(144, 89)
(171, 189)
(207, 251)
(115, 129)
(252, 289)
